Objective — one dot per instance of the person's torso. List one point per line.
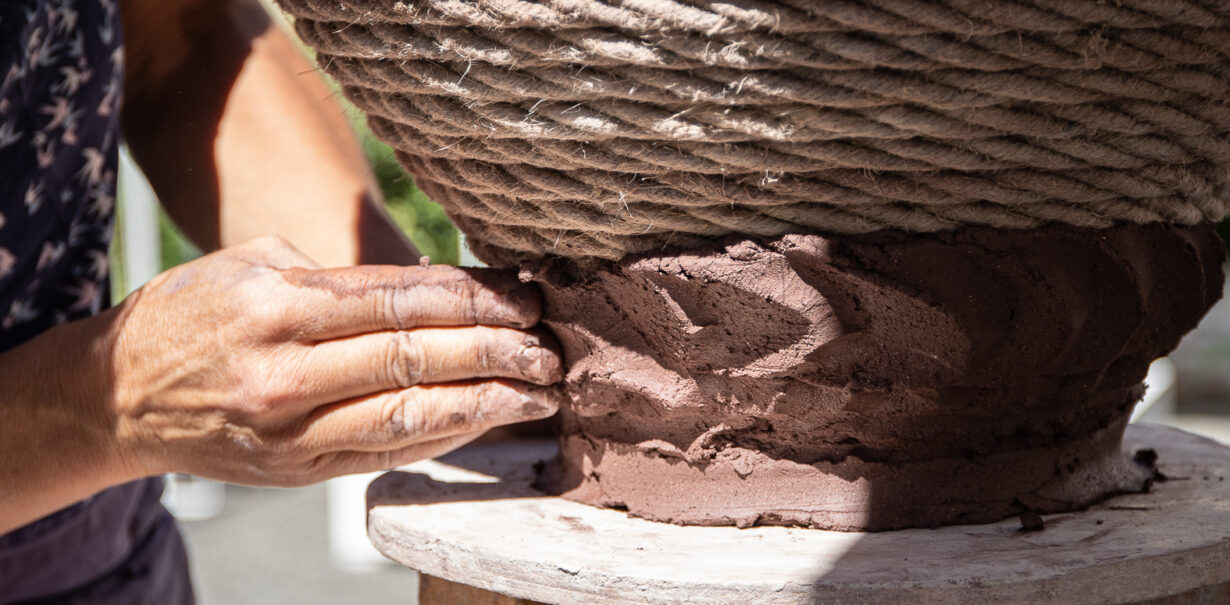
(61, 75)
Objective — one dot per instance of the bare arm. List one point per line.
(255, 366)
(57, 450)
(241, 136)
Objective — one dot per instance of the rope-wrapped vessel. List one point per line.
(603, 128)
(866, 264)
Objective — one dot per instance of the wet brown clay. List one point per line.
(870, 382)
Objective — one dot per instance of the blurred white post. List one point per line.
(350, 551)
(139, 223)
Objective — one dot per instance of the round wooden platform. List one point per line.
(473, 518)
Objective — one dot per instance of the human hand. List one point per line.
(254, 366)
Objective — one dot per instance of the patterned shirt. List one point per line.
(61, 73)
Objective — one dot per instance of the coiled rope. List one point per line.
(599, 128)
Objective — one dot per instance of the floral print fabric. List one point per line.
(61, 73)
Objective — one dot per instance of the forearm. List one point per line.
(253, 365)
(240, 136)
(59, 442)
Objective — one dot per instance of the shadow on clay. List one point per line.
(467, 475)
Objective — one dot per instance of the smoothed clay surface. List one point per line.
(870, 382)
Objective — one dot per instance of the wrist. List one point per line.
(59, 444)
(82, 399)
(128, 445)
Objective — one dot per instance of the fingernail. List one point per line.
(537, 362)
(540, 402)
(503, 300)
(516, 307)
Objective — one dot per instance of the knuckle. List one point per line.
(248, 291)
(391, 312)
(406, 359)
(261, 405)
(384, 460)
(469, 301)
(270, 315)
(261, 309)
(398, 309)
(267, 241)
(269, 401)
(402, 417)
(486, 349)
(263, 393)
(251, 403)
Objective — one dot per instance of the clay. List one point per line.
(869, 382)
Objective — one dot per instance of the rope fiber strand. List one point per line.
(593, 129)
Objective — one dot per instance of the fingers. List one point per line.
(348, 463)
(345, 302)
(383, 361)
(398, 419)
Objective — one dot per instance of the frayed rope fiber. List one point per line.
(593, 129)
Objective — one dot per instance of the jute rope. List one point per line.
(599, 128)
